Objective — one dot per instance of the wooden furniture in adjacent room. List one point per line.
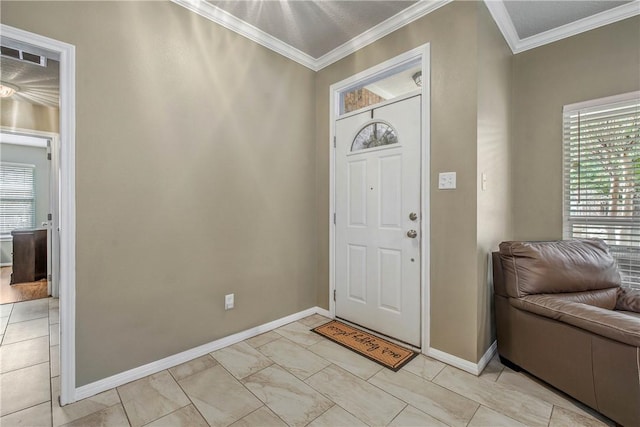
(29, 255)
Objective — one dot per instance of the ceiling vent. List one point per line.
(21, 55)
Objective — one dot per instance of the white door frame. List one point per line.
(422, 53)
(53, 241)
(66, 54)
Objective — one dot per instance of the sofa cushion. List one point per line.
(611, 324)
(603, 298)
(628, 300)
(557, 267)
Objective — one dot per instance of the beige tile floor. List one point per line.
(289, 376)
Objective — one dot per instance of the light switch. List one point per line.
(447, 181)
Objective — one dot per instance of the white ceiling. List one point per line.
(37, 85)
(313, 27)
(317, 33)
(534, 17)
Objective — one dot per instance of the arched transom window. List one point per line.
(373, 135)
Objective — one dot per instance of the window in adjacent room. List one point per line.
(602, 177)
(17, 197)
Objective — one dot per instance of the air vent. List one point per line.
(21, 55)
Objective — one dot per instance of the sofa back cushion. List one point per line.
(557, 267)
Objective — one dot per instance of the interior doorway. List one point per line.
(29, 242)
(29, 245)
(34, 46)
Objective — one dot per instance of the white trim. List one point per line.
(623, 97)
(465, 365)
(11, 138)
(229, 21)
(185, 356)
(586, 24)
(67, 57)
(503, 20)
(397, 21)
(6, 264)
(422, 53)
(517, 45)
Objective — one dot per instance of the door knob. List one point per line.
(412, 233)
(413, 216)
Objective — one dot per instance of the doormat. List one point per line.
(379, 350)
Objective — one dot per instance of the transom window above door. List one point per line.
(374, 134)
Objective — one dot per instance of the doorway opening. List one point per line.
(379, 168)
(29, 244)
(32, 47)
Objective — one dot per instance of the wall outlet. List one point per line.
(447, 181)
(228, 302)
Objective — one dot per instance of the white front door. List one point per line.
(378, 219)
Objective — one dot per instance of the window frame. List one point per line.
(627, 256)
(26, 166)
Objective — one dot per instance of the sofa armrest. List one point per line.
(607, 323)
(628, 300)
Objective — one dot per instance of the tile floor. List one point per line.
(289, 376)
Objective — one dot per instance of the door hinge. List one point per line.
(334, 294)
(334, 141)
(49, 217)
(334, 218)
(48, 156)
(49, 277)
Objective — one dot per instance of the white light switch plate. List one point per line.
(447, 181)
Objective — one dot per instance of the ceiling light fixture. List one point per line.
(417, 78)
(7, 89)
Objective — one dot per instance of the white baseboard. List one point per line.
(465, 365)
(177, 359)
(6, 264)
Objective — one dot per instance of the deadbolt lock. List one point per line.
(413, 216)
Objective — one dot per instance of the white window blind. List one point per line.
(17, 197)
(602, 177)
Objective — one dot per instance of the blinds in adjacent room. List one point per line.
(17, 197)
(602, 177)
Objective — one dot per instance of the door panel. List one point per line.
(357, 192)
(357, 265)
(377, 187)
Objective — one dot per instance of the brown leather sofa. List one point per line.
(562, 316)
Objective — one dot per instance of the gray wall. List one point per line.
(33, 156)
(191, 134)
(469, 120)
(595, 64)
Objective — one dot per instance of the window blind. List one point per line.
(17, 197)
(602, 177)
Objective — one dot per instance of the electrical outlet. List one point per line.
(447, 181)
(228, 302)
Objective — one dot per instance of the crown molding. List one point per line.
(423, 7)
(227, 20)
(502, 18)
(399, 20)
(505, 24)
(582, 25)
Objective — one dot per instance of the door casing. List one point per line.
(423, 54)
(65, 53)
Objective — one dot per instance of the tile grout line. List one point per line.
(126, 414)
(191, 402)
